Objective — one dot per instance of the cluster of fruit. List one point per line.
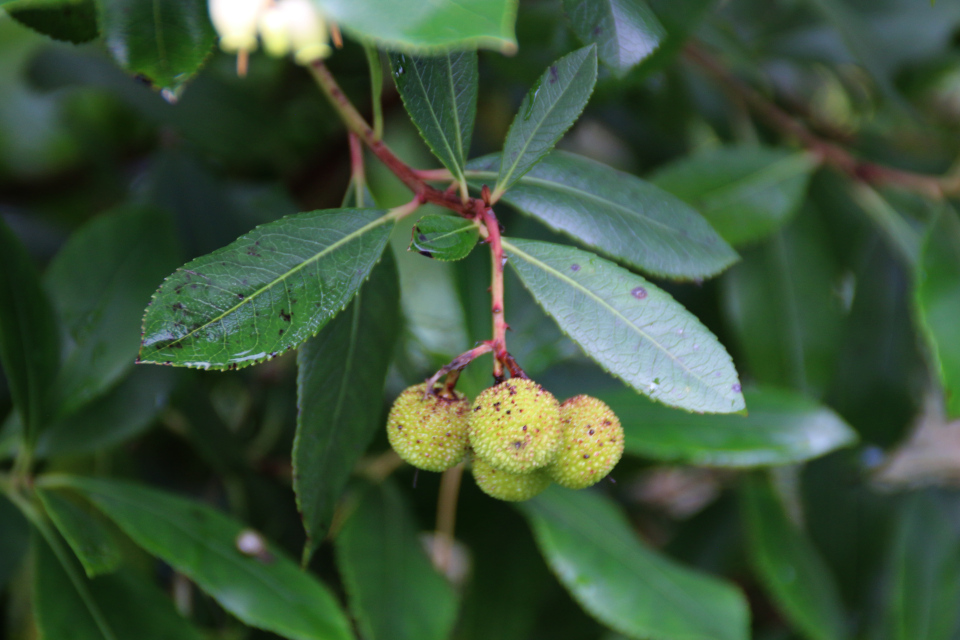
(521, 438)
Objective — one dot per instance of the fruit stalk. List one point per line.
(446, 518)
(499, 341)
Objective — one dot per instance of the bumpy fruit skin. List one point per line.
(503, 485)
(591, 444)
(430, 433)
(515, 426)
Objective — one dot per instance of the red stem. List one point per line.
(469, 208)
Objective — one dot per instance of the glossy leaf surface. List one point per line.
(550, 108)
(128, 606)
(164, 41)
(395, 593)
(782, 427)
(412, 27)
(631, 588)
(266, 293)
(440, 94)
(789, 565)
(625, 31)
(266, 591)
(444, 237)
(938, 301)
(746, 193)
(29, 348)
(99, 283)
(615, 213)
(340, 380)
(632, 328)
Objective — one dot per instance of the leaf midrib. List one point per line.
(456, 157)
(573, 283)
(250, 298)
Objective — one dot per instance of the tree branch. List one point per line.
(935, 187)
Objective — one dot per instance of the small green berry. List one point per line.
(591, 444)
(503, 485)
(515, 426)
(429, 432)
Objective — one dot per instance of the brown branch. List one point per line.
(409, 176)
(936, 187)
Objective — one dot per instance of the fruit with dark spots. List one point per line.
(591, 443)
(515, 426)
(503, 485)
(429, 431)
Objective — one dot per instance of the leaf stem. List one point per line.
(935, 187)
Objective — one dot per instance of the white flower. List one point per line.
(236, 21)
(295, 25)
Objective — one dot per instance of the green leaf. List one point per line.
(99, 283)
(782, 427)
(440, 94)
(14, 540)
(74, 22)
(630, 327)
(340, 379)
(444, 237)
(746, 193)
(164, 41)
(120, 415)
(128, 606)
(267, 590)
(629, 587)
(550, 108)
(780, 301)
(439, 24)
(91, 541)
(615, 213)
(267, 292)
(924, 586)
(395, 593)
(789, 565)
(937, 298)
(625, 31)
(29, 345)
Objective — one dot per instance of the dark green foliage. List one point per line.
(732, 222)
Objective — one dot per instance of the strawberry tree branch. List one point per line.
(472, 208)
(935, 187)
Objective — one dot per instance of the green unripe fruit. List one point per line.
(591, 444)
(429, 432)
(503, 485)
(515, 426)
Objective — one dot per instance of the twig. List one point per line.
(356, 123)
(936, 187)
